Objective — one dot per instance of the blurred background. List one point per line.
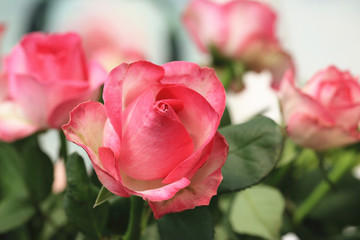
(316, 33)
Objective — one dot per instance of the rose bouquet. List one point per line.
(161, 157)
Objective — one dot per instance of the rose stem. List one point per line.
(340, 168)
(136, 208)
(63, 152)
(321, 158)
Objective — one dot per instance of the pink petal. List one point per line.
(309, 132)
(107, 173)
(201, 80)
(153, 190)
(203, 185)
(124, 84)
(148, 190)
(329, 74)
(347, 117)
(295, 101)
(197, 115)
(54, 56)
(229, 27)
(111, 139)
(108, 162)
(85, 129)
(63, 96)
(201, 122)
(31, 96)
(14, 124)
(191, 164)
(154, 140)
(247, 21)
(16, 63)
(206, 23)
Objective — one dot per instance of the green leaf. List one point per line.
(225, 119)
(39, 172)
(103, 196)
(79, 198)
(11, 175)
(56, 218)
(192, 224)
(14, 212)
(258, 211)
(15, 208)
(254, 148)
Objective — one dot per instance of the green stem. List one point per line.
(63, 152)
(134, 227)
(321, 159)
(340, 168)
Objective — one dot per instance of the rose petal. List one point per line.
(124, 84)
(154, 140)
(309, 132)
(202, 80)
(15, 64)
(293, 100)
(205, 22)
(111, 139)
(248, 21)
(347, 117)
(63, 96)
(85, 129)
(331, 74)
(197, 115)
(108, 162)
(190, 165)
(229, 27)
(31, 96)
(203, 185)
(14, 124)
(201, 122)
(54, 56)
(153, 190)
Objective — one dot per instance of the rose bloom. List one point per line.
(114, 32)
(45, 77)
(325, 113)
(156, 134)
(239, 30)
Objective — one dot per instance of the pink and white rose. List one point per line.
(45, 77)
(156, 134)
(240, 30)
(325, 113)
(114, 32)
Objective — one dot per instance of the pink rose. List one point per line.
(101, 44)
(110, 34)
(156, 134)
(46, 77)
(326, 112)
(239, 30)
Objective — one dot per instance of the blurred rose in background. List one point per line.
(113, 32)
(45, 77)
(240, 31)
(325, 113)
